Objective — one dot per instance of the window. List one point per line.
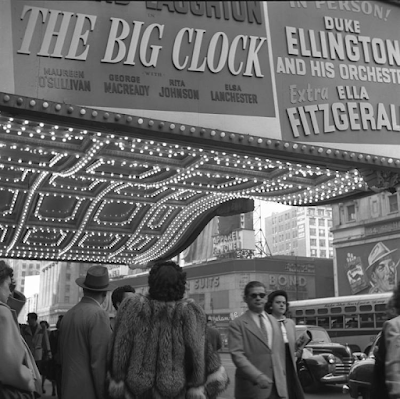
(320, 212)
(393, 203)
(321, 222)
(323, 322)
(313, 242)
(351, 213)
(66, 299)
(322, 243)
(322, 253)
(330, 224)
(313, 232)
(311, 212)
(313, 252)
(337, 321)
(312, 221)
(321, 232)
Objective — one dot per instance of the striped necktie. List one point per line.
(263, 328)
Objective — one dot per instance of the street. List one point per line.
(329, 392)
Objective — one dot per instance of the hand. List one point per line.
(263, 381)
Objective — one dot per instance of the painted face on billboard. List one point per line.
(384, 275)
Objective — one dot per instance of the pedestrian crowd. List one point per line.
(160, 345)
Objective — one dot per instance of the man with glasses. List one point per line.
(257, 349)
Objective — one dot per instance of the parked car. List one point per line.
(361, 374)
(322, 361)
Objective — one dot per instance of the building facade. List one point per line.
(23, 268)
(366, 235)
(218, 286)
(301, 231)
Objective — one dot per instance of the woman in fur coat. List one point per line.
(159, 347)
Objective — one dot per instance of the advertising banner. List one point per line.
(337, 73)
(368, 268)
(181, 59)
(316, 72)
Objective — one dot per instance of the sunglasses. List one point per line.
(12, 287)
(254, 296)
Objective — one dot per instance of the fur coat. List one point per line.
(159, 350)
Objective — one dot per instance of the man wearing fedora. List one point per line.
(84, 335)
(382, 270)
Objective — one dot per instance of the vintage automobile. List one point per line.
(361, 374)
(322, 361)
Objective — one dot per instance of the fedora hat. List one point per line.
(379, 251)
(96, 279)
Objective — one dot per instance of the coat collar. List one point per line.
(254, 328)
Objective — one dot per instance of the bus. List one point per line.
(354, 320)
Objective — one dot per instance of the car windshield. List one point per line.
(319, 336)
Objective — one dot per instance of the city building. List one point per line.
(300, 231)
(366, 234)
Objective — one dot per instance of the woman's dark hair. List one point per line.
(272, 296)
(5, 271)
(166, 281)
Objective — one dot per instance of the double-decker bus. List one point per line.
(354, 320)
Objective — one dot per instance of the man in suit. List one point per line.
(84, 335)
(257, 349)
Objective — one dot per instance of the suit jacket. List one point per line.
(252, 357)
(84, 335)
(391, 335)
(38, 342)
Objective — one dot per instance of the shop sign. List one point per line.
(382, 228)
(206, 282)
(223, 317)
(234, 241)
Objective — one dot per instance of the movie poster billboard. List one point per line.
(316, 72)
(203, 63)
(337, 75)
(368, 268)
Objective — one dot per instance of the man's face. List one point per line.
(256, 299)
(384, 275)
(31, 321)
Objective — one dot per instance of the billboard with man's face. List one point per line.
(368, 268)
